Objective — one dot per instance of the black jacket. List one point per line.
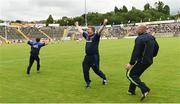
(145, 48)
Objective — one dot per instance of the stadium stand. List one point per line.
(70, 32)
(33, 32)
(55, 33)
(11, 33)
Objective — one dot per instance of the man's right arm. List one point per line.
(42, 44)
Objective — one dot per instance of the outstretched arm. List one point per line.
(102, 27)
(30, 42)
(79, 27)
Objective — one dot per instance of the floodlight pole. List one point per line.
(85, 14)
(5, 30)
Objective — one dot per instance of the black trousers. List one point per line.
(31, 61)
(134, 77)
(91, 61)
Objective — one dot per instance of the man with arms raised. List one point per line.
(91, 59)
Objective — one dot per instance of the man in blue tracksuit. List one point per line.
(91, 59)
(146, 47)
(34, 54)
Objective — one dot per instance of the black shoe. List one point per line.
(131, 93)
(104, 82)
(87, 85)
(28, 73)
(144, 95)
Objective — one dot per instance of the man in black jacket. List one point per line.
(145, 48)
(92, 59)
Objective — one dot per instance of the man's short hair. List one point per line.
(38, 39)
(92, 27)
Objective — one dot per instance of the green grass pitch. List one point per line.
(61, 78)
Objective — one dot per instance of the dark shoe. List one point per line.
(131, 93)
(87, 85)
(104, 82)
(28, 73)
(144, 95)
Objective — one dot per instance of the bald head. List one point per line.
(141, 29)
